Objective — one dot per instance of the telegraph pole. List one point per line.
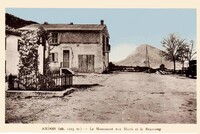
(147, 58)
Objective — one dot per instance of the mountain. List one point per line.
(138, 57)
(16, 22)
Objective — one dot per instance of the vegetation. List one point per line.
(28, 63)
(190, 52)
(15, 22)
(29, 75)
(177, 50)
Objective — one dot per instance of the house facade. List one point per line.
(11, 52)
(79, 47)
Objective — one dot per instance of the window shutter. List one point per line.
(50, 38)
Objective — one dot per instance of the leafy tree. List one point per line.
(28, 59)
(29, 75)
(174, 48)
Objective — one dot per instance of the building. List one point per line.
(11, 52)
(78, 47)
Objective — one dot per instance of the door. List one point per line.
(86, 63)
(66, 59)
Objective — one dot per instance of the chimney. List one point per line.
(102, 22)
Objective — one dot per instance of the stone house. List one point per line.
(78, 47)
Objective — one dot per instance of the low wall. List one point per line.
(29, 94)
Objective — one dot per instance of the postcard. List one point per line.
(100, 66)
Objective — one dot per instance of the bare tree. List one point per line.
(183, 54)
(174, 47)
(190, 52)
(187, 52)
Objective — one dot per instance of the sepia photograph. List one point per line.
(100, 65)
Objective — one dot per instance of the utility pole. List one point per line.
(147, 58)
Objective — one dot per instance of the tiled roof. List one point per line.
(92, 27)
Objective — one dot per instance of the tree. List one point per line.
(190, 52)
(28, 59)
(182, 54)
(174, 47)
(29, 75)
(187, 53)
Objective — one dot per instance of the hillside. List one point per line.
(138, 57)
(16, 22)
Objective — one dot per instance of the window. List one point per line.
(107, 40)
(18, 45)
(54, 57)
(107, 44)
(103, 42)
(54, 39)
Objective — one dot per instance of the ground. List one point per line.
(119, 98)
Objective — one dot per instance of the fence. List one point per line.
(64, 80)
(59, 82)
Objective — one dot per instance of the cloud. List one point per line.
(121, 51)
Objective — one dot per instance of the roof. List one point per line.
(84, 27)
(12, 31)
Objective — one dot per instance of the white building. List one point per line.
(78, 47)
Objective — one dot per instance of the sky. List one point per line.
(128, 28)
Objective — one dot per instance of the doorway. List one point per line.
(65, 58)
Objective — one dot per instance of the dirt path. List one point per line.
(120, 98)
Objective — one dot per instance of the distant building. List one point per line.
(78, 47)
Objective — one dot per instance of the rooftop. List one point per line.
(92, 27)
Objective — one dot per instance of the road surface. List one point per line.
(120, 98)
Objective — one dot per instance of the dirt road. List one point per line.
(120, 98)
